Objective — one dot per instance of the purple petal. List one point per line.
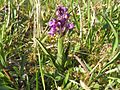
(64, 8)
(63, 21)
(52, 31)
(52, 22)
(57, 13)
(66, 16)
(58, 23)
(70, 26)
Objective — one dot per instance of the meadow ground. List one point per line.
(79, 50)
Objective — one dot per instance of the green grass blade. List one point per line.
(113, 59)
(41, 70)
(28, 83)
(46, 51)
(42, 47)
(66, 79)
(37, 88)
(115, 45)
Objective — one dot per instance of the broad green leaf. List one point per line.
(60, 55)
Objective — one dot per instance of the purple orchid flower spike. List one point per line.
(60, 24)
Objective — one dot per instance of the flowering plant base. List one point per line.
(60, 25)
